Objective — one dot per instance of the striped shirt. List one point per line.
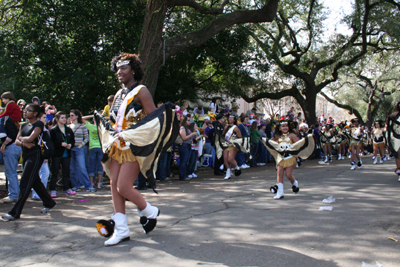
(81, 134)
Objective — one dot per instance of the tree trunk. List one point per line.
(151, 43)
(309, 109)
(308, 104)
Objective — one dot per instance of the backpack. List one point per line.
(46, 145)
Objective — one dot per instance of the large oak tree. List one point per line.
(301, 63)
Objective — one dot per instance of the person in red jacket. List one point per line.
(12, 110)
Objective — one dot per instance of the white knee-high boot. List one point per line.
(279, 194)
(121, 230)
(148, 217)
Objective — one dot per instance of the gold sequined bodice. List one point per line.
(284, 138)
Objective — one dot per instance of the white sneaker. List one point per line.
(325, 159)
(247, 166)
(194, 175)
(353, 167)
(381, 161)
(190, 176)
(243, 167)
(339, 157)
(375, 160)
(221, 167)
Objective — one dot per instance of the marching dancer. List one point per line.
(341, 141)
(378, 142)
(327, 138)
(231, 132)
(130, 148)
(285, 147)
(356, 143)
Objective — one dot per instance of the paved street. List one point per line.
(211, 222)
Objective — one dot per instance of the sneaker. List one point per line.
(7, 200)
(373, 157)
(82, 187)
(190, 176)
(242, 167)
(194, 175)
(91, 189)
(384, 158)
(8, 217)
(245, 166)
(375, 160)
(53, 194)
(46, 210)
(76, 189)
(36, 198)
(69, 192)
(99, 185)
(381, 161)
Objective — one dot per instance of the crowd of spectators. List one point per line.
(78, 150)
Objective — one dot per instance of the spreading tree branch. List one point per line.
(343, 106)
(199, 8)
(194, 39)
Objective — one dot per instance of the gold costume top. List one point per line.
(285, 151)
(128, 114)
(125, 111)
(284, 141)
(377, 135)
(341, 136)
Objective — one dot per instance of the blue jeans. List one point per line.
(210, 150)
(44, 174)
(262, 153)
(192, 162)
(164, 166)
(11, 158)
(95, 156)
(240, 158)
(86, 149)
(253, 152)
(79, 175)
(184, 154)
(1, 158)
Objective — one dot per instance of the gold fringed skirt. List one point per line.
(288, 162)
(231, 148)
(356, 143)
(379, 144)
(121, 155)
